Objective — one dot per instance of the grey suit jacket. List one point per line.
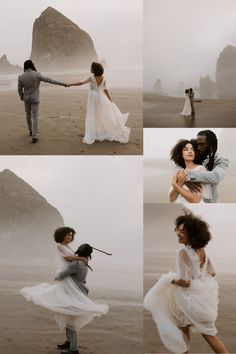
(211, 177)
(78, 271)
(28, 85)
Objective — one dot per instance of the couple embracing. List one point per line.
(68, 298)
(199, 169)
(103, 121)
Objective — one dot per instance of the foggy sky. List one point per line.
(114, 25)
(183, 39)
(101, 197)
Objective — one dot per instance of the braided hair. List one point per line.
(212, 146)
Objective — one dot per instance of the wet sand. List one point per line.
(163, 112)
(27, 328)
(61, 125)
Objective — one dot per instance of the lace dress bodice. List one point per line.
(63, 251)
(188, 265)
(94, 85)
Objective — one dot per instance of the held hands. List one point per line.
(67, 85)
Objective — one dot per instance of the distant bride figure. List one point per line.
(187, 104)
(103, 121)
(187, 299)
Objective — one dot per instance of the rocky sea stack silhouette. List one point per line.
(58, 44)
(226, 73)
(7, 68)
(27, 220)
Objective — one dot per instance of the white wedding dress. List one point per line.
(187, 107)
(173, 306)
(72, 308)
(103, 121)
(206, 192)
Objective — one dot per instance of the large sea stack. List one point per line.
(58, 44)
(226, 73)
(27, 220)
(7, 68)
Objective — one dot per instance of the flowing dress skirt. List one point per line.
(173, 307)
(104, 121)
(72, 308)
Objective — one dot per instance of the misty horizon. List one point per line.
(179, 43)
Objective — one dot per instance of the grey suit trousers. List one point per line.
(32, 116)
(71, 336)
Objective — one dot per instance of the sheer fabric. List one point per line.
(103, 121)
(72, 308)
(187, 107)
(173, 307)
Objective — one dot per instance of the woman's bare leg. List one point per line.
(185, 331)
(215, 343)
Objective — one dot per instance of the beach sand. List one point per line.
(61, 125)
(27, 328)
(163, 112)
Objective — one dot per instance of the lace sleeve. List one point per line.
(184, 266)
(210, 268)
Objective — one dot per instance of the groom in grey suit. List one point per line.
(215, 165)
(77, 270)
(28, 89)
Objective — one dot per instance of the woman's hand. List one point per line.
(182, 176)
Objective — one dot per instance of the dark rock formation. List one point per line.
(59, 44)
(7, 68)
(207, 88)
(27, 220)
(158, 87)
(226, 73)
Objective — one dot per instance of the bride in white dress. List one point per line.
(104, 120)
(71, 305)
(187, 105)
(187, 299)
(185, 156)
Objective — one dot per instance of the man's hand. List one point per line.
(194, 187)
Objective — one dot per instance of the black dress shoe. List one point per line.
(65, 345)
(35, 140)
(71, 352)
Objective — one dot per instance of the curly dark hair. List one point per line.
(196, 229)
(61, 232)
(97, 69)
(212, 146)
(84, 250)
(176, 153)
